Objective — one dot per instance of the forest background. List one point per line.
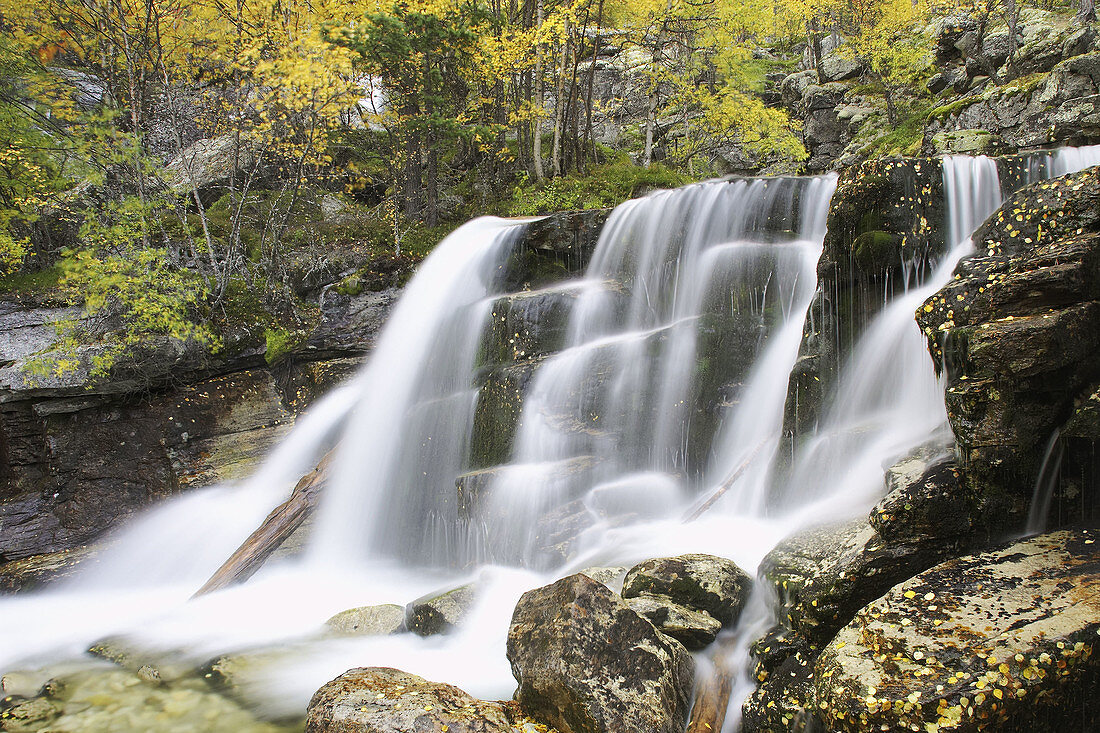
(182, 169)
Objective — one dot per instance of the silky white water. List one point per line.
(680, 342)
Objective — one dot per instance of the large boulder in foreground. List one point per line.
(713, 585)
(587, 663)
(1003, 640)
(384, 700)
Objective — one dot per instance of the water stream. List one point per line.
(679, 342)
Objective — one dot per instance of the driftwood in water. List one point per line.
(267, 538)
(712, 697)
(718, 493)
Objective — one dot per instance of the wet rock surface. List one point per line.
(823, 575)
(886, 219)
(384, 700)
(1000, 640)
(1015, 331)
(438, 613)
(705, 583)
(586, 662)
(368, 621)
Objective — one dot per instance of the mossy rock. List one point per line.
(876, 249)
(1003, 640)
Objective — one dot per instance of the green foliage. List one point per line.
(604, 186)
(280, 342)
(905, 138)
(36, 281)
(120, 277)
(29, 175)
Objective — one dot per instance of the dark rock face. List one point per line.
(555, 247)
(785, 699)
(924, 502)
(384, 700)
(886, 220)
(587, 663)
(1017, 330)
(1003, 640)
(705, 583)
(78, 466)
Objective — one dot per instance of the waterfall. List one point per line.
(732, 263)
(666, 396)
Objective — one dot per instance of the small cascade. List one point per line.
(1045, 483)
(694, 298)
(407, 438)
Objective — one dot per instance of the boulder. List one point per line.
(612, 577)
(693, 629)
(704, 583)
(1016, 331)
(206, 163)
(438, 613)
(836, 67)
(368, 621)
(965, 142)
(1002, 640)
(587, 663)
(823, 575)
(925, 501)
(384, 700)
(785, 700)
(19, 715)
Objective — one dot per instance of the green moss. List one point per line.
(875, 249)
(280, 342)
(605, 185)
(943, 112)
(31, 282)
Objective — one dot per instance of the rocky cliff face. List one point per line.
(1015, 332)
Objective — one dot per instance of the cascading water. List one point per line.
(733, 263)
(669, 391)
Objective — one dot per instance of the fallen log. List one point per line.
(274, 530)
(712, 697)
(718, 493)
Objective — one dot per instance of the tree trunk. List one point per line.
(560, 104)
(651, 107)
(414, 178)
(1086, 11)
(270, 535)
(536, 125)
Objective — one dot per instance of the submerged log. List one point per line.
(712, 697)
(270, 535)
(718, 493)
